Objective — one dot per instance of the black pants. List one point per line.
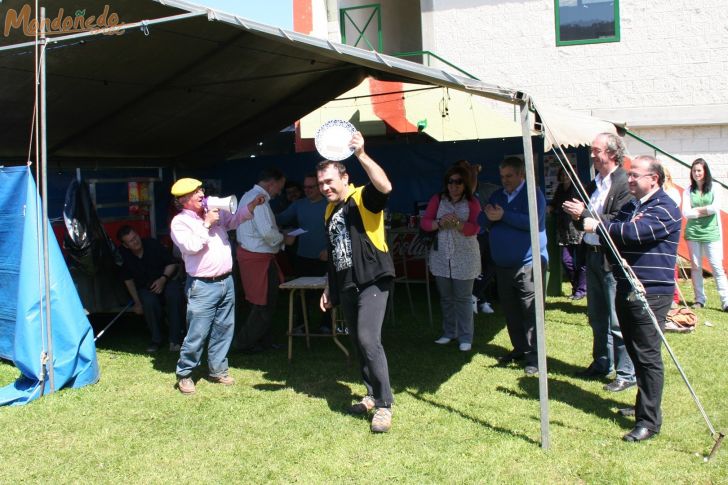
(516, 293)
(644, 345)
(257, 329)
(172, 299)
(364, 313)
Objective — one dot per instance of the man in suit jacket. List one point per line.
(608, 192)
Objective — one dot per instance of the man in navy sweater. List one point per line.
(646, 231)
(510, 243)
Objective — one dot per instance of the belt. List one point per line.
(212, 279)
(593, 248)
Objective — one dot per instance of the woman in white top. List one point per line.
(701, 207)
(455, 260)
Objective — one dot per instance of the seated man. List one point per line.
(147, 272)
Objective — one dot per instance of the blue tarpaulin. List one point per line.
(23, 335)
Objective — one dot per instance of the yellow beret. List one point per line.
(185, 186)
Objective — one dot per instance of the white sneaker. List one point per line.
(486, 308)
(465, 347)
(443, 340)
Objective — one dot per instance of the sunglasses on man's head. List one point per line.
(455, 181)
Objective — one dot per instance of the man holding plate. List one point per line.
(360, 270)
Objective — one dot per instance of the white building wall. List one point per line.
(667, 77)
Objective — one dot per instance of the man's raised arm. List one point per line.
(379, 179)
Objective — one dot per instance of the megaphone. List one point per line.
(229, 204)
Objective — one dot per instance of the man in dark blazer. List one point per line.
(608, 192)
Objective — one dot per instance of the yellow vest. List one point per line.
(373, 222)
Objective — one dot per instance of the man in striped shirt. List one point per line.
(646, 231)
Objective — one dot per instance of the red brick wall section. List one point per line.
(390, 107)
(303, 23)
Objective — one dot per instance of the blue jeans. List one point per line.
(609, 351)
(211, 318)
(713, 252)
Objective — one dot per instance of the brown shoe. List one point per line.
(382, 420)
(186, 385)
(363, 406)
(224, 379)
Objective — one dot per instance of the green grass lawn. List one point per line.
(458, 418)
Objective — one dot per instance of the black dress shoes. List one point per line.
(639, 434)
(618, 385)
(510, 357)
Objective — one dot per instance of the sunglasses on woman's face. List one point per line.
(455, 181)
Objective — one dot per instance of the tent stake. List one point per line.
(101, 333)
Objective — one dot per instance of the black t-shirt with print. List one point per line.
(340, 240)
(340, 237)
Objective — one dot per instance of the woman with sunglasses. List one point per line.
(701, 207)
(455, 259)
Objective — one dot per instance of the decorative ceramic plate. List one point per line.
(332, 140)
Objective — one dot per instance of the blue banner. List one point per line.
(13, 186)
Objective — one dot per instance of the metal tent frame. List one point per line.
(343, 64)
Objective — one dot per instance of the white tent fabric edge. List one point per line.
(565, 127)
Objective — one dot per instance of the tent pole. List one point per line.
(44, 190)
(543, 391)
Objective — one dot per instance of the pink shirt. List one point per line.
(206, 252)
(470, 226)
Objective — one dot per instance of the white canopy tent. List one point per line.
(183, 84)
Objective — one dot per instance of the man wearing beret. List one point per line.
(201, 236)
